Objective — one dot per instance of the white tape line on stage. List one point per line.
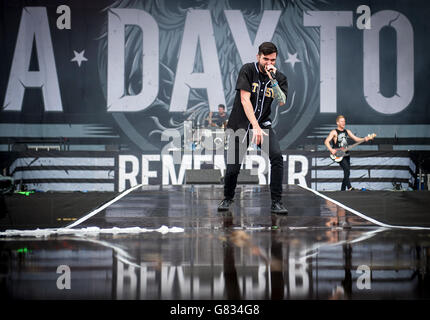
(90, 230)
(93, 213)
(361, 215)
(318, 246)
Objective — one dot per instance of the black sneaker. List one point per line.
(225, 204)
(278, 207)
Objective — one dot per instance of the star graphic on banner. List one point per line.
(79, 57)
(292, 58)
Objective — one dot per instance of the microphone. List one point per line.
(272, 74)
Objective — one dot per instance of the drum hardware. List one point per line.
(198, 137)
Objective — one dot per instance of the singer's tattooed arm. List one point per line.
(279, 95)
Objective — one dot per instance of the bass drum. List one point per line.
(212, 139)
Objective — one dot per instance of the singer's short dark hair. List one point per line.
(221, 106)
(267, 48)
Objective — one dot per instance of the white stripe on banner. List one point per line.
(64, 174)
(384, 130)
(331, 174)
(377, 173)
(62, 161)
(366, 161)
(56, 130)
(361, 215)
(383, 173)
(411, 147)
(335, 186)
(72, 186)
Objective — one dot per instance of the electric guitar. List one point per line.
(340, 153)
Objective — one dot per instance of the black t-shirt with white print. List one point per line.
(342, 140)
(258, 83)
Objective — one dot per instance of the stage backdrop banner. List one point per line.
(110, 171)
(114, 75)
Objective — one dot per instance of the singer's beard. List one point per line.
(262, 68)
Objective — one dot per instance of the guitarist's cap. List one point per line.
(339, 117)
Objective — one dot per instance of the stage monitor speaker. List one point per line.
(245, 177)
(203, 176)
(19, 147)
(385, 147)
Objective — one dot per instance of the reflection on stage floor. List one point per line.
(319, 251)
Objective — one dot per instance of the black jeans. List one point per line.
(276, 165)
(345, 164)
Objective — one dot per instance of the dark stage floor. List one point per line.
(169, 242)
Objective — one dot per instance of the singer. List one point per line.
(258, 84)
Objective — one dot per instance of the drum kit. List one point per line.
(206, 137)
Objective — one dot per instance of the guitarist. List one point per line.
(338, 138)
